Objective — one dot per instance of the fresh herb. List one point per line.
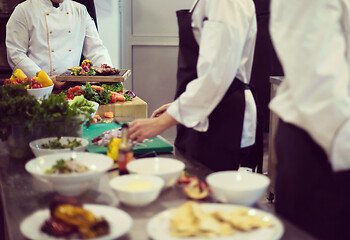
(102, 97)
(115, 87)
(71, 166)
(46, 117)
(128, 97)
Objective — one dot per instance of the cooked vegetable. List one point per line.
(109, 114)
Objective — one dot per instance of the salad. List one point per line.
(56, 144)
(67, 166)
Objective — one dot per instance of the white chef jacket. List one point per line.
(42, 37)
(313, 44)
(227, 42)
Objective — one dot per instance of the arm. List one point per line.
(222, 41)
(310, 41)
(141, 129)
(93, 48)
(17, 40)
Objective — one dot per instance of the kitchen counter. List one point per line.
(22, 195)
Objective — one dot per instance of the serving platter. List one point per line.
(120, 77)
(119, 222)
(158, 227)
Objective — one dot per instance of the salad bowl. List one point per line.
(70, 173)
(51, 145)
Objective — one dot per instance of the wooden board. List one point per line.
(120, 77)
(125, 111)
(157, 144)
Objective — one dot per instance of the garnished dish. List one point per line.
(88, 69)
(67, 166)
(57, 144)
(68, 218)
(193, 187)
(190, 220)
(214, 221)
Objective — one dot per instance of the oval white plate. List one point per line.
(119, 222)
(158, 227)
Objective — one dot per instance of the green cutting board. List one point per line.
(153, 144)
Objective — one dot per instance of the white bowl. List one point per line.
(39, 93)
(71, 184)
(167, 168)
(137, 190)
(244, 188)
(38, 150)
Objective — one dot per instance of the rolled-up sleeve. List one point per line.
(311, 43)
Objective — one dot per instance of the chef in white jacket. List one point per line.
(41, 36)
(312, 40)
(214, 110)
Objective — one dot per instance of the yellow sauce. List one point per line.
(138, 185)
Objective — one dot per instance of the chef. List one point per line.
(313, 103)
(51, 36)
(214, 110)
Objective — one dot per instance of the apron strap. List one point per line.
(194, 6)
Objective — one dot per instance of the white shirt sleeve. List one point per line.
(221, 44)
(17, 40)
(93, 48)
(311, 44)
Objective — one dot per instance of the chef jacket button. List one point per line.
(47, 14)
(52, 50)
(69, 31)
(70, 50)
(67, 12)
(50, 32)
(54, 69)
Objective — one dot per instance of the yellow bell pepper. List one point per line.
(17, 74)
(43, 79)
(113, 148)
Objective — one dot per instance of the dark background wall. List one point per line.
(265, 62)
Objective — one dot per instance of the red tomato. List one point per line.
(113, 98)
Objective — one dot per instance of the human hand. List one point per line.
(59, 85)
(141, 129)
(160, 110)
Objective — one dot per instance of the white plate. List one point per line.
(158, 227)
(119, 222)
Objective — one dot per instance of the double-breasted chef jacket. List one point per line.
(42, 37)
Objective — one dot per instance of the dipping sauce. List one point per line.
(138, 185)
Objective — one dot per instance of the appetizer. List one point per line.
(64, 167)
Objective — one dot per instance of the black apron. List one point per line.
(308, 192)
(219, 147)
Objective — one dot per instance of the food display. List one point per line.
(87, 69)
(69, 219)
(18, 77)
(190, 220)
(67, 166)
(104, 94)
(57, 144)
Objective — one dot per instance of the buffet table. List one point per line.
(22, 195)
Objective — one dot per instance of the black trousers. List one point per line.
(308, 192)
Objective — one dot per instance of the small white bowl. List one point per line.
(38, 150)
(71, 184)
(244, 188)
(137, 190)
(40, 93)
(167, 168)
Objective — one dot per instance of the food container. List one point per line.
(21, 136)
